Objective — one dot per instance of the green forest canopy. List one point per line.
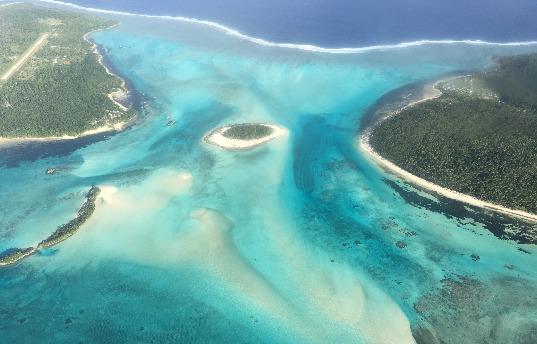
(62, 89)
(483, 147)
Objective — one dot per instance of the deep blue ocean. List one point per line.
(352, 23)
(302, 240)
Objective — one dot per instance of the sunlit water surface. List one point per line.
(293, 242)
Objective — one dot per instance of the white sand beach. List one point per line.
(103, 129)
(217, 138)
(430, 92)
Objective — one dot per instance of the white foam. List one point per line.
(10, 3)
(305, 47)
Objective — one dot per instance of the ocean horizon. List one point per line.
(301, 240)
(349, 24)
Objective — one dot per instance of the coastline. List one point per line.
(216, 138)
(113, 96)
(63, 232)
(123, 91)
(305, 47)
(389, 166)
(109, 128)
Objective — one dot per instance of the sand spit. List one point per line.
(151, 195)
(217, 138)
(147, 226)
(431, 92)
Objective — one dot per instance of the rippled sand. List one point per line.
(302, 240)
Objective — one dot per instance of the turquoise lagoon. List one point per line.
(293, 242)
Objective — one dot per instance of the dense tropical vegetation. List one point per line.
(62, 233)
(67, 230)
(247, 131)
(514, 79)
(485, 147)
(13, 255)
(60, 90)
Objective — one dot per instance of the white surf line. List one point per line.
(306, 47)
(10, 3)
(386, 164)
(33, 49)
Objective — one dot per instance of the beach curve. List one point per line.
(366, 148)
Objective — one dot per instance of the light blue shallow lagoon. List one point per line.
(302, 240)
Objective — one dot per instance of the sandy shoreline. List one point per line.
(389, 166)
(114, 95)
(113, 127)
(216, 138)
(104, 129)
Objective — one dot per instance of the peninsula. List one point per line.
(473, 141)
(52, 82)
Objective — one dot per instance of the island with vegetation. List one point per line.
(52, 81)
(66, 230)
(477, 137)
(13, 255)
(244, 135)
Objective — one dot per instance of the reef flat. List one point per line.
(300, 240)
(13, 255)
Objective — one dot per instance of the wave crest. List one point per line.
(305, 47)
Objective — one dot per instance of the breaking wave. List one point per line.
(305, 47)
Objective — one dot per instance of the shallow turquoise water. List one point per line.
(294, 242)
